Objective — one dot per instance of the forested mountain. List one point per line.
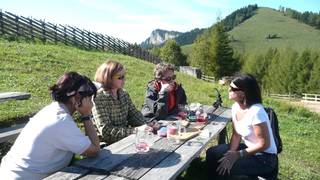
(189, 37)
(238, 16)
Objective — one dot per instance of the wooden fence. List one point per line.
(207, 78)
(311, 97)
(285, 96)
(13, 26)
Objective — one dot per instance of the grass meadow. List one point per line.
(34, 67)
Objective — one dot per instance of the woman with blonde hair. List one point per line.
(114, 113)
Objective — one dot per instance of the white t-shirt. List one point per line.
(255, 115)
(45, 145)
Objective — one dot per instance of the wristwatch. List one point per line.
(241, 153)
(86, 118)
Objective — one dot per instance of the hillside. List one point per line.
(34, 67)
(250, 36)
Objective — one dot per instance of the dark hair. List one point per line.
(70, 84)
(249, 85)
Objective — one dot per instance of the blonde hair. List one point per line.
(160, 69)
(106, 71)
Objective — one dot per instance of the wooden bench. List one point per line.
(7, 134)
(6, 96)
(165, 160)
(10, 133)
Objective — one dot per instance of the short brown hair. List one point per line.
(69, 85)
(106, 71)
(160, 69)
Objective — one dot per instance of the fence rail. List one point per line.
(207, 78)
(18, 26)
(311, 97)
(285, 96)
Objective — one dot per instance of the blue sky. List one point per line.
(134, 20)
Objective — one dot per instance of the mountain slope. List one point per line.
(250, 36)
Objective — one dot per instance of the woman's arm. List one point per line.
(155, 103)
(235, 139)
(263, 137)
(135, 117)
(107, 130)
(85, 110)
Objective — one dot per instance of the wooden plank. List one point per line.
(140, 163)
(100, 176)
(14, 96)
(71, 172)
(92, 162)
(10, 133)
(174, 164)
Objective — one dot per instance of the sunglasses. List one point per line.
(235, 89)
(122, 77)
(173, 77)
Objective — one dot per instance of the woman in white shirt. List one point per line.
(258, 155)
(51, 137)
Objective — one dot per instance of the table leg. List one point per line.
(222, 136)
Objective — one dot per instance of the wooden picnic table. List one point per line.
(165, 160)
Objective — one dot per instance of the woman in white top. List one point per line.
(258, 155)
(51, 137)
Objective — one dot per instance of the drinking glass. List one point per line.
(144, 140)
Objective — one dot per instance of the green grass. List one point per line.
(34, 67)
(250, 35)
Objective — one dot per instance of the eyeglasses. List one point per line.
(173, 77)
(122, 77)
(235, 89)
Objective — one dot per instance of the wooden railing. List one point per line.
(13, 26)
(311, 97)
(207, 78)
(285, 96)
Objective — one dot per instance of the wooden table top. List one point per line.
(165, 160)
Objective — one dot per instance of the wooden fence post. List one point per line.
(17, 25)
(43, 25)
(31, 29)
(1, 23)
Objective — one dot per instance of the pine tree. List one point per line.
(314, 82)
(213, 54)
(171, 53)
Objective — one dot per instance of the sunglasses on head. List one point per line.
(170, 78)
(235, 89)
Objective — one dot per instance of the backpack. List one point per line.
(275, 128)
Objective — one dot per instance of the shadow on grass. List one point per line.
(196, 170)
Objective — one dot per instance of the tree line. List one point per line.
(310, 18)
(285, 70)
(239, 16)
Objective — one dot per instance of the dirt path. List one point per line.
(312, 106)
